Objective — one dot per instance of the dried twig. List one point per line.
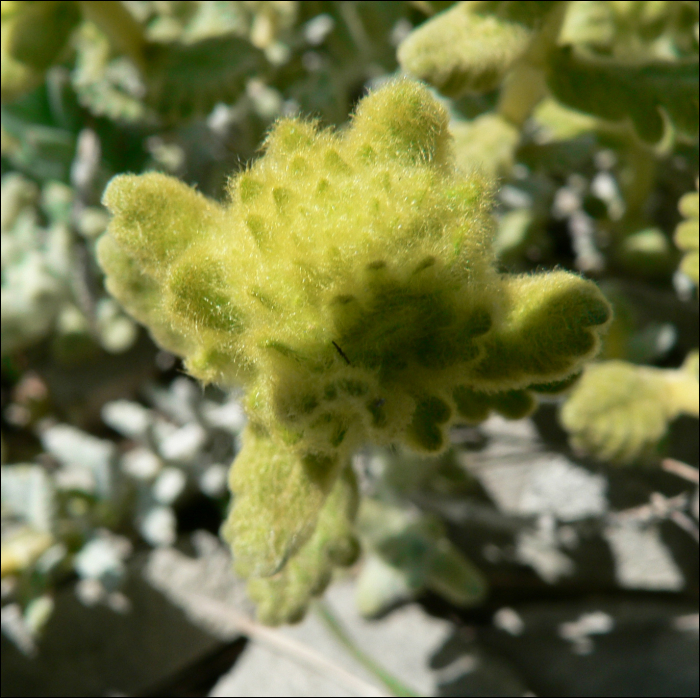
(658, 508)
(686, 523)
(661, 508)
(681, 469)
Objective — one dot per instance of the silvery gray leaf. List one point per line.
(18, 193)
(169, 485)
(158, 526)
(29, 493)
(184, 444)
(102, 558)
(228, 416)
(117, 331)
(213, 480)
(177, 403)
(15, 629)
(380, 586)
(141, 464)
(127, 417)
(75, 449)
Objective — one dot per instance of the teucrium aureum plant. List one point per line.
(350, 285)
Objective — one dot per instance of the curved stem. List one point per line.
(287, 646)
(333, 624)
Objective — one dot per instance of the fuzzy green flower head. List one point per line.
(349, 283)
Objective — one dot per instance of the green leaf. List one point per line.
(349, 282)
(453, 576)
(35, 33)
(471, 46)
(549, 328)
(156, 218)
(187, 80)
(410, 552)
(285, 596)
(614, 90)
(277, 499)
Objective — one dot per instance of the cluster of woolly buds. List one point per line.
(471, 46)
(687, 237)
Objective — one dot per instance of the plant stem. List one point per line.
(289, 647)
(396, 687)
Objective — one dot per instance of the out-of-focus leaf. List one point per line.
(408, 553)
(28, 493)
(382, 585)
(647, 252)
(102, 558)
(615, 90)
(22, 548)
(487, 143)
(106, 84)
(33, 37)
(88, 462)
(470, 47)
(186, 80)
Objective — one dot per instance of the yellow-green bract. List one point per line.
(349, 283)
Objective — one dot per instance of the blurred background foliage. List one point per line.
(586, 112)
